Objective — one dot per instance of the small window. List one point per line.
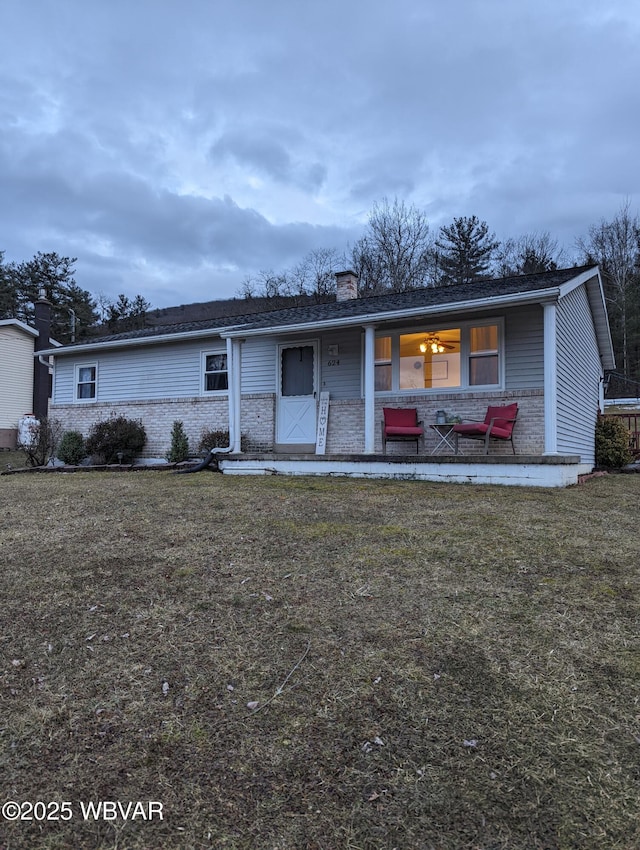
(216, 376)
(483, 356)
(383, 363)
(86, 383)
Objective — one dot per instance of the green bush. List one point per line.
(72, 449)
(612, 442)
(179, 450)
(114, 437)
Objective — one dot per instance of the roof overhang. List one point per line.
(16, 323)
(589, 278)
(107, 345)
(479, 304)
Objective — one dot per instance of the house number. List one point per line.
(333, 362)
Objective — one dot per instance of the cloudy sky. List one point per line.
(177, 146)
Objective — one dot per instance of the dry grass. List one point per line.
(435, 666)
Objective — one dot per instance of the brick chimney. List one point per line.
(41, 377)
(346, 286)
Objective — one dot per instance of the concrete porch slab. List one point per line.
(523, 471)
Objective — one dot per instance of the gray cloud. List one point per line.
(176, 149)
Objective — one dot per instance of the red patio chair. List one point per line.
(498, 425)
(401, 424)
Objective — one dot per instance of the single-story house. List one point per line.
(541, 341)
(25, 383)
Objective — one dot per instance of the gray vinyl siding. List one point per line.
(524, 348)
(579, 372)
(341, 373)
(145, 373)
(259, 364)
(63, 380)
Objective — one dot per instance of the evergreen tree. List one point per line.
(529, 254)
(73, 312)
(465, 250)
(127, 314)
(8, 294)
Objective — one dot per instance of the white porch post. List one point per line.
(234, 366)
(550, 381)
(369, 388)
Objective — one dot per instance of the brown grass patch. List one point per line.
(435, 666)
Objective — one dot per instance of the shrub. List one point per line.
(44, 436)
(116, 439)
(179, 450)
(612, 442)
(71, 449)
(217, 440)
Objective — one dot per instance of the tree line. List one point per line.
(398, 252)
(76, 313)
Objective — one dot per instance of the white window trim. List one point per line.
(76, 382)
(465, 354)
(203, 371)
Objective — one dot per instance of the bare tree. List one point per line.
(615, 246)
(315, 275)
(529, 254)
(394, 253)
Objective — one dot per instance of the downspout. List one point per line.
(233, 358)
(234, 351)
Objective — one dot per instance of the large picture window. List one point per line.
(86, 382)
(439, 358)
(216, 375)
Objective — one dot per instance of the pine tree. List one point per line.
(466, 250)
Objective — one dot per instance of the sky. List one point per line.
(178, 147)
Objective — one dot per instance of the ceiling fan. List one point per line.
(435, 345)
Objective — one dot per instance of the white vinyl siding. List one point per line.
(579, 373)
(16, 375)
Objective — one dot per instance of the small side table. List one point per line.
(447, 438)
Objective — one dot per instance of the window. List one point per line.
(440, 358)
(86, 382)
(216, 376)
(483, 355)
(383, 363)
(430, 360)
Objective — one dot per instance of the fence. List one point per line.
(632, 422)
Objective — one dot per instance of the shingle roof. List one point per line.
(360, 307)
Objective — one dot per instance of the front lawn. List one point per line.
(316, 664)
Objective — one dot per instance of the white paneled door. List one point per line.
(297, 394)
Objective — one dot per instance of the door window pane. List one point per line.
(297, 370)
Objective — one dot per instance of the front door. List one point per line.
(297, 391)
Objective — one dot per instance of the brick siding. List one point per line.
(345, 433)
